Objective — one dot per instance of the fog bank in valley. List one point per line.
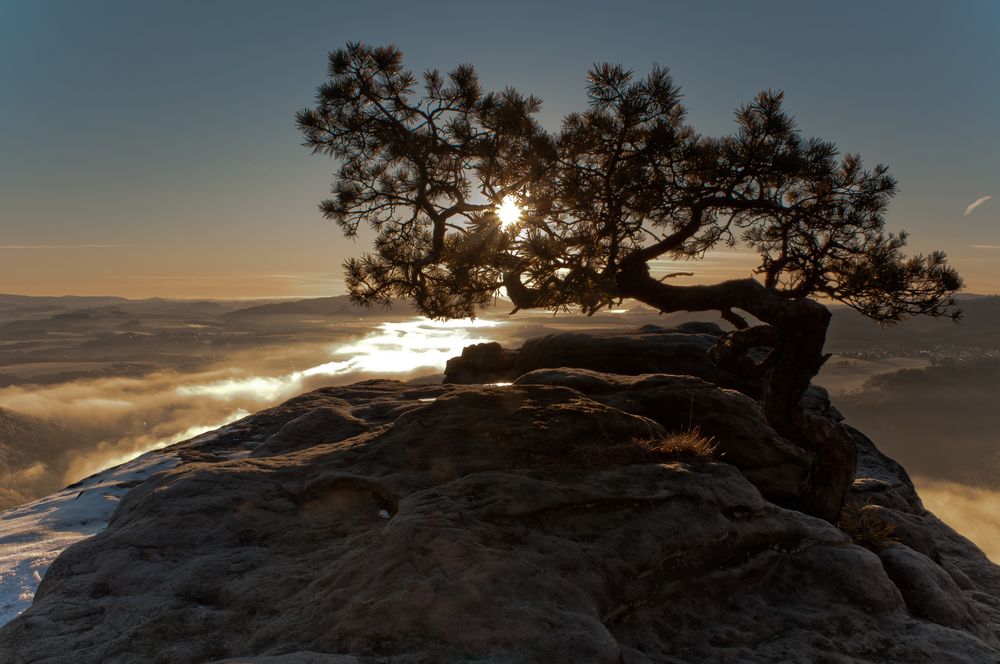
(942, 423)
(90, 382)
(52, 435)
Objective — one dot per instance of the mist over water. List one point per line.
(103, 422)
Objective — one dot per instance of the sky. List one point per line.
(149, 148)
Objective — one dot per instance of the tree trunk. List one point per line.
(795, 330)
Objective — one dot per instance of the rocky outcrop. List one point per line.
(650, 349)
(385, 522)
(929, 592)
(481, 363)
(680, 350)
(779, 469)
(928, 545)
(332, 422)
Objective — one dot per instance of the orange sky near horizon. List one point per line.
(138, 272)
(149, 149)
(88, 271)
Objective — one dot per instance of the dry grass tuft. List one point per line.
(688, 445)
(866, 527)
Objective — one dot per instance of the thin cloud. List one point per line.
(979, 201)
(986, 246)
(35, 247)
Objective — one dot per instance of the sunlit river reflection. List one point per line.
(393, 348)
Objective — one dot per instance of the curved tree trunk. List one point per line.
(795, 330)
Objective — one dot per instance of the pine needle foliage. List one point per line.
(425, 161)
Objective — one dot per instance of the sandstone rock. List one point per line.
(909, 529)
(880, 480)
(817, 400)
(651, 349)
(328, 424)
(681, 350)
(477, 524)
(481, 363)
(373, 402)
(928, 590)
(304, 657)
(779, 469)
(885, 485)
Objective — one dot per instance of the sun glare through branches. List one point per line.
(508, 211)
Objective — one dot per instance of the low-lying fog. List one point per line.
(942, 422)
(89, 384)
(84, 425)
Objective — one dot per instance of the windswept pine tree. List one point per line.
(469, 196)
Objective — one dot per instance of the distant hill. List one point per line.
(25, 307)
(21, 437)
(849, 331)
(85, 319)
(338, 305)
(977, 328)
(61, 300)
(29, 306)
(161, 308)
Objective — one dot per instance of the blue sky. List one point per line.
(148, 148)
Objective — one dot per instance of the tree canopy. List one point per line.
(622, 183)
(426, 162)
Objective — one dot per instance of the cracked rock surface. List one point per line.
(387, 522)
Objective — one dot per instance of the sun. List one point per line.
(508, 211)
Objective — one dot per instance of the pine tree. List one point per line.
(427, 163)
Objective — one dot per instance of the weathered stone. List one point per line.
(817, 400)
(929, 592)
(779, 469)
(913, 530)
(374, 402)
(885, 485)
(652, 349)
(880, 480)
(481, 363)
(306, 657)
(478, 524)
(680, 350)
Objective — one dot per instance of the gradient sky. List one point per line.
(148, 148)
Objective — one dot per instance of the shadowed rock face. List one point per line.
(650, 349)
(481, 363)
(779, 469)
(395, 523)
